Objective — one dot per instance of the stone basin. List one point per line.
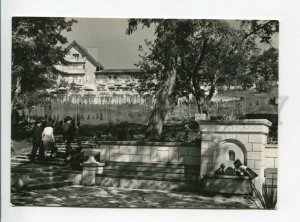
(226, 184)
(91, 153)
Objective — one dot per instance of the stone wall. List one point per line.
(150, 152)
(246, 138)
(271, 156)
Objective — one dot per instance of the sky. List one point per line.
(116, 50)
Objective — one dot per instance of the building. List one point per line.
(94, 84)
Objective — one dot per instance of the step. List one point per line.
(152, 169)
(39, 180)
(18, 160)
(30, 168)
(45, 186)
(184, 180)
(157, 165)
(164, 176)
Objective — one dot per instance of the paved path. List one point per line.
(79, 196)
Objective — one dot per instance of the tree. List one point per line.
(194, 56)
(36, 49)
(263, 69)
(29, 100)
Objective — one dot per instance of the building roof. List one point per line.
(83, 51)
(118, 71)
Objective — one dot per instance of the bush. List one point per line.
(268, 198)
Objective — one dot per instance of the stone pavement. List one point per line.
(104, 197)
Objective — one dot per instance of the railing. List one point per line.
(74, 70)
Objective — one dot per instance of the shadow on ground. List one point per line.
(103, 197)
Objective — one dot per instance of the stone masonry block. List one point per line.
(257, 147)
(215, 137)
(276, 163)
(249, 147)
(121, 157)
(191, 160)
(230, 136)
(212, 145)
(148, 184)
(129, 183)
(146, 158)
(114, 146)
(180, 159)
(250, 164)
(173, 155)
(271, 153)
(207, 152)
(128, 149)
(269, 162)
(114, 151)
(243, 138)
(153, 157)
(258, 164)
(135, 158)
(162, 156)
(206, 159)
(257, 138)
(162, 148)
(254, 155)
(218, 137)
(194, 151)
(183, 150)
(104, 153)
(204, 144)
(144, 149)
(203, 169)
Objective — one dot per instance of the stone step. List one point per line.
(178, 170)
(152, 165)
(39, 180)
(31, 168)
(38, 174)
(50, 185)
(19, 160)
(153, 175)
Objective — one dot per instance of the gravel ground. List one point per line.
(104, 197)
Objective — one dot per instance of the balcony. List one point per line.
(73, 70)
(75, 60)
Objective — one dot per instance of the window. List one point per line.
(231, 155)
(76, 56)
(115, 77)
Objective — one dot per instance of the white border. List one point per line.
(287, 12)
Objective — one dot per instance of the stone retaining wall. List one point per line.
(150, 152)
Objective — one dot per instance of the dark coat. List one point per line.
(37, 134)
(69, 131)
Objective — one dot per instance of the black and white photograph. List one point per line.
(134, 110)
(144, 113)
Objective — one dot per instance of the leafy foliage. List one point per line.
(263, 69)
(194, 57)
(36, 49)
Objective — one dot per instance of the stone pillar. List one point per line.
(91, 167)
(249, 135)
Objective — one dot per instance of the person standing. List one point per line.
(37, 141)
(68, 136)
(48, 138)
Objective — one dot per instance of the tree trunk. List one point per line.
(15, 91)
(161, 107)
